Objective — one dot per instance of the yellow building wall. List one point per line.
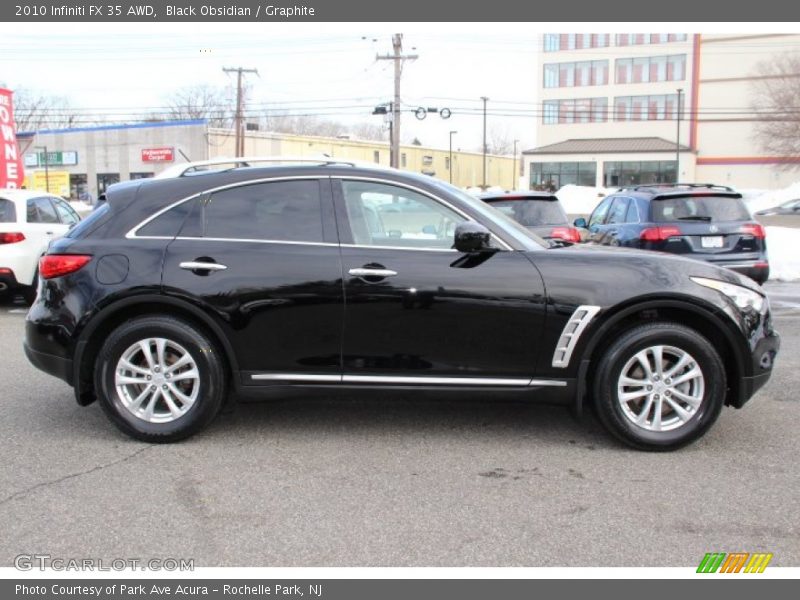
(467, 168)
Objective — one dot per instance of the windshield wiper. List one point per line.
(695, 218)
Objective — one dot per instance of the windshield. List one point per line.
(532, 213)
(699, 208)
(8, 212)
(525, 237)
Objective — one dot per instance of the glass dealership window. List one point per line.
(580, 110)
(553, 175)
(625, 173)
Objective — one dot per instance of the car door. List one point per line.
(42, 226)
(419, 312)
(263, 259)
(597, 220)
(610, 232)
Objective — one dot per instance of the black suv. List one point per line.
(702, 221)
(178, 292)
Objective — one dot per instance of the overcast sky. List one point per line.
(326, 69)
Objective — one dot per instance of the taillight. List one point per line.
(659, 234)
(568, 234)
(56, 265)
(754, 229)
(11, 237)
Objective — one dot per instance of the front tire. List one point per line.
(160, 379)
(660, 386)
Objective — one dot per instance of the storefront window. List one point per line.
(627, 173)
(551, 176)
(104, 180)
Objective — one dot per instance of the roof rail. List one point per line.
(656, 186)
(201, 166)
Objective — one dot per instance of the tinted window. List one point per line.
(8, 212)
(280, 210)
(633, 213)
(40, 210)
(699, 208)
(169, 223)
(599, 214)
(618, 210)
(89, 222)
(66, 212)
(386, 215)
(532, 213)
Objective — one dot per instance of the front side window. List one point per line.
(40, 210)
(387, 215)
(8, 212)
(618, 211)
(66, 213)
(599, 214)
(275, 211)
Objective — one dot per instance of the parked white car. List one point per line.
(29, 221)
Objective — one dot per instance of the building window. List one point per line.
(141, 175)
(403, 160)
(581, 110)
(553, 42)
(376, 156)
(576, 74)
(447, 163)
(553, 175)
(78, 186)
(660, 107)
(651, 69)
(624, 173)
(104, 180)
(638, 39)
(427, 160)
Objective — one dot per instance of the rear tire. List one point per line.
(160, 379)
(659, 387)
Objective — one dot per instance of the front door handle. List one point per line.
(202, 266)
(367, 272)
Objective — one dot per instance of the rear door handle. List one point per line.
(362, 272)
(202, 266)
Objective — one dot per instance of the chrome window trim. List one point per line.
(412, 379)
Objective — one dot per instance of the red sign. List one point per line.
(11, 173)
(158, 154)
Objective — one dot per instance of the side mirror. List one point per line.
(472, 237)
(580, 222)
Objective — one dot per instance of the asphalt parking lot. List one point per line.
(396, 482)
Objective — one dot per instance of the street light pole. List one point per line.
(451, 155)
(514, 176)
(485, 149)
(678, 139)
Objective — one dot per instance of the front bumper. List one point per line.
(763, 357)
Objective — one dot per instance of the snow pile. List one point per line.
(580, 200)
(756, 200)
(782, 249)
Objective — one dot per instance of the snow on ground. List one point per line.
(760, 199)
(580, 200)
(782, 249)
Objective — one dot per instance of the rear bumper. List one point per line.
(51, 364)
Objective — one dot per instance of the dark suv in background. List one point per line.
(702, 221)
(540, 212)
(332, 276)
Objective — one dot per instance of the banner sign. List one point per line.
(11, 170)
(158, 154)
(54, 159)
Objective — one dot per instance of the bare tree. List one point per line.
(499, 141)
(34, 111)
(201, 102)
(776, 104)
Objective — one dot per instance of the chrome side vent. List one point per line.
(572, 333)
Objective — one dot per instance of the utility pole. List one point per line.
(399, 58)
(451, 155)
(239, 106)
(485, 148)
(46, 169)
(514, 176)
(678, 140)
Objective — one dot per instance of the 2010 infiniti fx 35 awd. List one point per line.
(180, 291)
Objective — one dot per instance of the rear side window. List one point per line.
(169, 223)
(699, 208)
(532, 213)
(279, 210)
(40, 210)
(8, 212)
